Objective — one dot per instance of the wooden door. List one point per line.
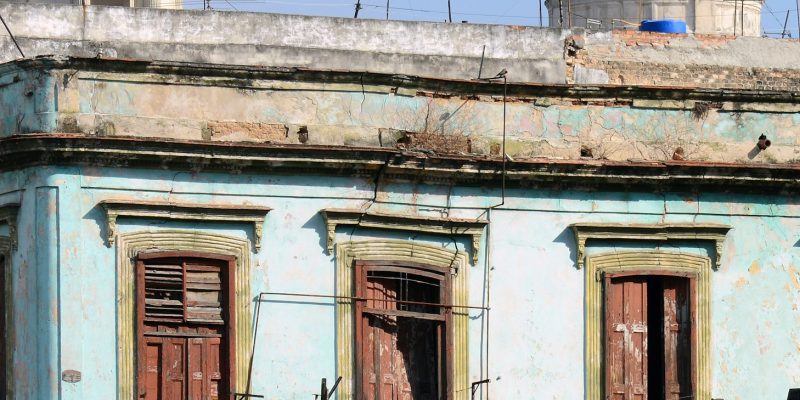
(400, 347)
(165, 368)
(626, 338)
(184, 328)
(677, 338)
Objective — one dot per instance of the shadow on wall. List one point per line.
(567, 237)
(317, 224)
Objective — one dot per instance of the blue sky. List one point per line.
(510, 12)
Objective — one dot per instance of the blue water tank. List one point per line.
(663, 26)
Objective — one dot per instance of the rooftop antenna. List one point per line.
(387, 10)
(449, 12)
(358, 7)
(742, 30)
(541, 23)
(785, 21)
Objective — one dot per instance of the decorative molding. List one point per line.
(133, 243)
(442, 226)
(399, 250)
(655, 232)
(6, 247)
(646, 262)
(8, 214)
(184, 212)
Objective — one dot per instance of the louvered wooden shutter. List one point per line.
(183, 292)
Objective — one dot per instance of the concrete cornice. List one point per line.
(241, 76)
(59, 149)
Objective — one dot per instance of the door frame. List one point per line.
(229, 290)
(431, 271)
(638, 263)
(691, 277)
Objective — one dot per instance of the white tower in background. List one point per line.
(720, 17)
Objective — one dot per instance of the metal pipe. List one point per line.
(449, 12)
(541, 21)
(483, 54)
(329, 296)
(785, 21)
(798, 18)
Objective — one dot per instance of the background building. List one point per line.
(702, 16)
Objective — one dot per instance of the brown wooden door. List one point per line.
(182, 368)
(626, 338)
(677, 338)
(184, 328)
(165, 368)
(400, 346)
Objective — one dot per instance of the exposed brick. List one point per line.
(246, 131)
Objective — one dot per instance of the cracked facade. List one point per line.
(151, 210)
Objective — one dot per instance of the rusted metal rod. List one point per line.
(12, 36)
(328, 296)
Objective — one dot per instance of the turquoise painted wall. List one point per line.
(64, 284)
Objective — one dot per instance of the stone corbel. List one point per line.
(8, 215)
(184, 212)
(408, 223)
(654, 232)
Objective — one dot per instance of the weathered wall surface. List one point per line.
(708, 61)
(423, 49)
(412, 48)
(209, 108)
(535, 337)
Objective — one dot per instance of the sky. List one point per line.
(507, 12)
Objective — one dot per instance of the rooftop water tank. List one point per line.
(663, 26)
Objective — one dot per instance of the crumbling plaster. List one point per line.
(282, 111)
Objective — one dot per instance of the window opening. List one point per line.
(648, 338)
(402, 333)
